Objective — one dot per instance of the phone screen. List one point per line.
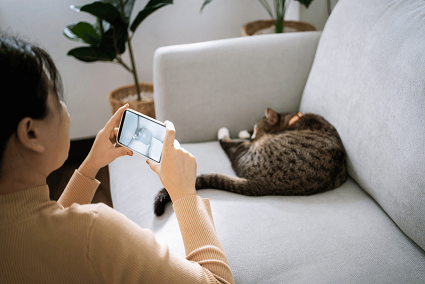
(141, 134)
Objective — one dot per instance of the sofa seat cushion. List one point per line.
(335, 237)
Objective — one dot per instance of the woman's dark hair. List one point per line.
(27, 74)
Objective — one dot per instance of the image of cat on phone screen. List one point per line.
(142, 135)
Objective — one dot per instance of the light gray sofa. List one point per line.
(365, 73)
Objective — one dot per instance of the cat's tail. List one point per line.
(214, 181)
(233, 184)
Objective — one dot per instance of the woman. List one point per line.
(44, 241)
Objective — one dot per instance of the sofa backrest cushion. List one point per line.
(368, 80)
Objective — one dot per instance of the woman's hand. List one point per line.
(177, 170)
(103, 150)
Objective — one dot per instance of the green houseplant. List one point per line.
(277, 17)
(108, 38)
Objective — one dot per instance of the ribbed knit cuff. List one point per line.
(80, 189)
(196, 222)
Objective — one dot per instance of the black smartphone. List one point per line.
(141, 134)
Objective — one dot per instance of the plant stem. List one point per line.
(133, 65)
(130, 50)
(280, 7)
(122, 63)
(267, 7)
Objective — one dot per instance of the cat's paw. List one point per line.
(161, 199)
(244, 134)
(223, 132)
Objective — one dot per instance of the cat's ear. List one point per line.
(271, 116)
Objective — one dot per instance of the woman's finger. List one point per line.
(153, 165)
(170, 134)
(119, 152)
(110, 125)
(113, 135)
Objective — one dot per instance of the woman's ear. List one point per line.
(27, 133)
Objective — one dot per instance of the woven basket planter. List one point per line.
(253, 28)
(117, 98)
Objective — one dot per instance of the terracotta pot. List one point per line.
(252, 28)
(120, 96)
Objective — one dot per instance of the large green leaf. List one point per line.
(104, 11)
(205, 3)
(89, 54)
(151, 7)
(306, 3)
(127, 4)
(82, 32)
(113, 41)
(101, 26)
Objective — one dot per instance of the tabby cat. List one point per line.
(287, 154)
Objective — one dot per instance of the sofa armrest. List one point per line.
(203, 86)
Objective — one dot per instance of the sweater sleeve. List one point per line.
(199, 236)
(80, 189)
(122, 252)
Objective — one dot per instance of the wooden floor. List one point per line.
(58, 180)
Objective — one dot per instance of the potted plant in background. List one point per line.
(277, 24)
(107, 40)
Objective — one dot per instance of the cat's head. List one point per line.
(271, 123)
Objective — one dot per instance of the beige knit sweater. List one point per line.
(44, 241)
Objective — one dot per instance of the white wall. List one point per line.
(317, 13)
(87, 85)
